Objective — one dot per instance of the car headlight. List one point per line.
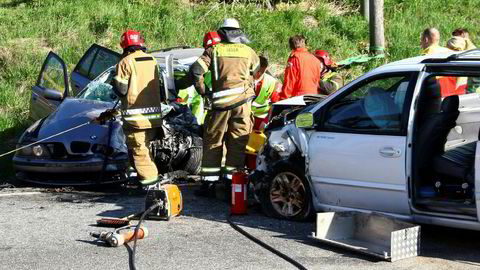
(281, 143)
(38, 150)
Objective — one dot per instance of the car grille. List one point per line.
(79, 147)
(57, 150)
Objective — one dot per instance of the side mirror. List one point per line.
(53, 94)
(304, 120)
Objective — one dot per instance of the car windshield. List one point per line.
(100, 89)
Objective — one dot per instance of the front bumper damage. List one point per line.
(285, 146)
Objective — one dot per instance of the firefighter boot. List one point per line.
(207, 189)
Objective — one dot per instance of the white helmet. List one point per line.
(230, 23)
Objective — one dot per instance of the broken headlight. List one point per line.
(281, 143)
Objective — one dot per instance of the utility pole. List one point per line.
(364, 8)
(377, 37)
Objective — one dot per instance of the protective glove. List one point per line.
(106, 115)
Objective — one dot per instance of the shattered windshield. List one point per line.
(100, 89)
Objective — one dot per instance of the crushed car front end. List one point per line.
(280, 180)
(91, 154)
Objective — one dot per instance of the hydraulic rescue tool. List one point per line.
(168, 200)
(117, 237)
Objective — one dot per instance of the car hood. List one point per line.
(73, 112)
(300, 100)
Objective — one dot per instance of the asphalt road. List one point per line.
(48, 229)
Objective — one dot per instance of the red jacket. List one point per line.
(302, 74)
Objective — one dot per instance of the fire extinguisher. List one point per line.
(239, 193)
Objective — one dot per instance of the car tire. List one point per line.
(286, 194)
(192, 162)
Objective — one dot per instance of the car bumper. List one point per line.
(94, 164)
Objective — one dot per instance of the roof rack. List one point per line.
(462, 56)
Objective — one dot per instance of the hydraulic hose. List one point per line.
(55, 135)
(137, 227)
(44, 139)
(265, 245)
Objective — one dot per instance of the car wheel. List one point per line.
(192, 162)
(287, 194)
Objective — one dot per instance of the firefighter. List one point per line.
(267, 89)
(330, 81)
(303, 70)
(430, 42)
(136, 82)
(192, 98)
(232, 64)
(463, 33)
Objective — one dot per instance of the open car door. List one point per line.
(95, 61)
(51, 87)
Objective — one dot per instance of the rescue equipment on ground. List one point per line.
(239, 193)
(121, 235)
(166, 201)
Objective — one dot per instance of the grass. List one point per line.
(31, 28)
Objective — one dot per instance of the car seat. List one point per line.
(432, 135)
(380, 106)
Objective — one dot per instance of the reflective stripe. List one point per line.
(210, 169)
(120, 80)
(215, 64)
(142, 111)
(228, 92)
(211, 178)
(202, 64)
(255, 68)
(230, 168)
(261, 115)
(149, 181)
(224, 100)
(143, 117)
(233, 50)
(337, 85)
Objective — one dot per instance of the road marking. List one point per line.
(19, 193)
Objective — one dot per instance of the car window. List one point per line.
(100, 89)
(373, 107)
(84, 66)
(102, 61)
(95, 61)
(52, 76)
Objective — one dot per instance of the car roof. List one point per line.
(181, 55)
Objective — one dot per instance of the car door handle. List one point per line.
(390, 152)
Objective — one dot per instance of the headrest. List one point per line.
(450, 104)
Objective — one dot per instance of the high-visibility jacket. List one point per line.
(260, 105)
(194, 100)
(302, 74)
(435, 48)
(331, 82)
(136, 82)
(232, 66)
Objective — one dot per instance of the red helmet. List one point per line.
(210, 39)
(323, 56)
(131, 38)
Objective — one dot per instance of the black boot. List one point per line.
(207, 189)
